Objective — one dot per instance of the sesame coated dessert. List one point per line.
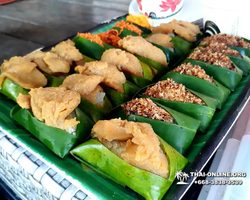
(214, 59)
(171, 91)
(220, 48)
(145, 107)
(193, 70)
(229, 40)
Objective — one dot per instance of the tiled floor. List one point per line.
(26, 25)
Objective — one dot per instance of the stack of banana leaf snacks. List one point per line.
(129, 76)
(57, 106)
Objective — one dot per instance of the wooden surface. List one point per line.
(26, 25)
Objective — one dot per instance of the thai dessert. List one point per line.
(185, 30)
(220, 48)
(141, 20)
(193, 70)
(53, 105)
(112, 77)
(135, 143)
(58, 60)
(229, 40)
(124, 61)
(87, 86)
(93, 38)
(213, 58)
(161, 39)
(171, 91)
(110, 37)
(140, 46)
(122, 24)
(22, 72)
(145, 107)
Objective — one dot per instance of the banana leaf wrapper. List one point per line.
(181, 46)
(94, 112)
(91, 110)
(145, 31)
(217, 91)
(12, 90)
(226, 77)
(152, 187)
(241, 63)
(179, 136)
(125, 32)
(241, 50)
(58, 141)
(93, 51)
(202, 113)
(90, 49)
(116, 98)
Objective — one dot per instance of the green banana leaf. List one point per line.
(88, 48)
(179, 136)
(172, 57)
(226, 77)
(117, 98)
(218, 91)
(139, 81)
(202, 113)
(53, 81)
(148, 72)
(12, 90)
(152, 187)
(58, 141)
(242, 63)
(181, 46)
(241, 50)
(87, 59)
(125, 32)
(94, 112)
(145, 31)
(158, 68)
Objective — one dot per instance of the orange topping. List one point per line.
(110, 37)
(92, 38)
(122, 24)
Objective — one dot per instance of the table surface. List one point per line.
(26, 25)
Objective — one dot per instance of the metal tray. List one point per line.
(200, 152)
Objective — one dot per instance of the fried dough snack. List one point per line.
(52, 105)
(112, 76)
(58, 60)
(140, 46)
(186, 30)
(23, 72)
(136, 143)
(87, 86)
(124, 61)
(161, 39)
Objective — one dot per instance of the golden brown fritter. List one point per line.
(56, 63)
(186, 30)
(67, 50)
(52, 105)
(161, 39)
(172, 91)
(124, 61)
(112, 76)
(139, 46)
(87, 86)
(134, 142)
(37, 57)
(23, 72)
